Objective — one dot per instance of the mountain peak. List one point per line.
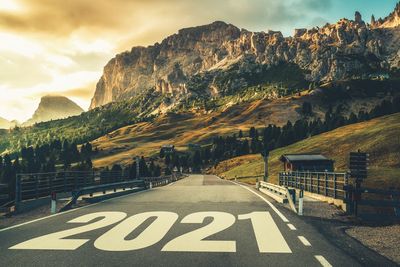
(52, 107)
(391, 21)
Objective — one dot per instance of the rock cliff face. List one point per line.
(345, 50)
(52, 108)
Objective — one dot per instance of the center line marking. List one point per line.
(291, 226)
(323, 261)
(304, 241)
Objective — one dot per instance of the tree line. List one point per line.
(46, 158)
(272, 136)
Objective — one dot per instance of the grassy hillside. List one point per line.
(379, 137)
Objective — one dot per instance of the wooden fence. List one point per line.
(330, 184)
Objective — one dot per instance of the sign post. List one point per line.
(265, 154)
(358, 170)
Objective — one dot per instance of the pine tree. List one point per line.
(167, 160)
(252, 132)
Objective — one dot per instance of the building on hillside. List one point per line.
(307, 162)
(168, 149)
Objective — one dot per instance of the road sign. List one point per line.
(358, 165)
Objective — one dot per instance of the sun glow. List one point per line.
(10, 5)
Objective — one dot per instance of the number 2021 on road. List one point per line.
(268, 237)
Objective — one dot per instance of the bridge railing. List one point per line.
(37, 185)
(330, 184)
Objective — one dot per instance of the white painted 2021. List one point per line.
(268, 237)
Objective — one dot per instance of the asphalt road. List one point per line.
(197, 221)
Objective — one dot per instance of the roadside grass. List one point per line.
(379, 137)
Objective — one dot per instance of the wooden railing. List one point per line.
(330, 184)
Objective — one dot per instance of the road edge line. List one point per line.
(284, 219)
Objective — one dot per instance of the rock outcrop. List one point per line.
(344, 50)
(53, 108)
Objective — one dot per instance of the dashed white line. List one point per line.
(304, 241)
(284, 219)
(323, 261)
(291, 226)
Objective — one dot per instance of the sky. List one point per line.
(60, 47)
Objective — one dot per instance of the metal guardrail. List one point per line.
(102, 188)
(281, 192)
(37, 185)
(330, 184)
(274, 188)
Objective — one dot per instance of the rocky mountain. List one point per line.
(219, 58)
(52, 108)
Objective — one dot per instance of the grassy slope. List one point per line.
(184, 128)
(180, 129)
(380, 137)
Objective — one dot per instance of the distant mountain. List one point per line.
(53, 108)
(4, 124)
(219, 59)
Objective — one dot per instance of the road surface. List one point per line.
(197, 221)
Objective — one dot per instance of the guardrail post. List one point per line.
(326, 184)
(301, 198)
(75, 180)
(51, 184)
(17, 192)
(311, 183)
(36, 186)
(317, 183)
(334, 186)
(65, 181)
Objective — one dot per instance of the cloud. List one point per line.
(126, 17)
(61, 47)
(84, 92)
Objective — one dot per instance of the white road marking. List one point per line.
(323, 261)
(269, 238)
(115, 238)
(68, 211)
(304, 241)
(291, 226)
(194, 241)
(58, 240)
(170, 184)
(284, 219)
